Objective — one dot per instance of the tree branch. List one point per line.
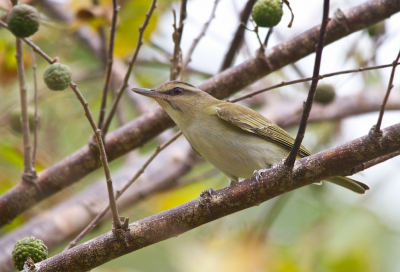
(149, 125)
(340, 108)
(211, 206)
(291, 82)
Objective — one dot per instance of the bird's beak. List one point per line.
(146, 92)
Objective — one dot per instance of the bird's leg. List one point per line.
(233, 181)
(257, 173)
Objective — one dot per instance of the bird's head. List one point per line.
(178, 97)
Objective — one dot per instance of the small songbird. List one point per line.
(237, 140)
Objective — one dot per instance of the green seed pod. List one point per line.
(377, 30)
(15, 120)
(23, 20)
(57, 76)
(28, 247)
(324, 94)
(267, 13)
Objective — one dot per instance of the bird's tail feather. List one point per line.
(351, 184)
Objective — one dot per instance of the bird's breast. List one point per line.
(235, 152)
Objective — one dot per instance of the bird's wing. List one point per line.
(253, 122)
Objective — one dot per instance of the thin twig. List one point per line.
(255, 30)
(239, 35)
(385, 99)
(291, 82)
(100, 215)
(28, 171)
(196, 41)
(270, 30)
(110, 60)
(106, 125)
(177, 37)
(102, 36)
(374, 162)
(103, 155)
(291, 11)
(289, 162)
(35, 128)
(32, 45)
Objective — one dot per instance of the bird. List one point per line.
(237, 140)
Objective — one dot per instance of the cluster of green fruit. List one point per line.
(28, 247)
(23, 21)
(267, 13)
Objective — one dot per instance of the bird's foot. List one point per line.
(205, 198)
(257, 173)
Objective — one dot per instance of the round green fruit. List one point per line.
(324, 94)
(57, 76)
(267, 13)
(28, 247)
(23, 20)
(15, 120)
(377, 30)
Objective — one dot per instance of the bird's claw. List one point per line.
(257, 173)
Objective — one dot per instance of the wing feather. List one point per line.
(253, 122)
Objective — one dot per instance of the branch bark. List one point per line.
(149, 125)
(341, 160)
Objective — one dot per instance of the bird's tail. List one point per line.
(351, 184)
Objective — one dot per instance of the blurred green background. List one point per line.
(316, 228)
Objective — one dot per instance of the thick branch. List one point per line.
(209, 207)
(149, 125)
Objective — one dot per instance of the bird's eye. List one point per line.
(177, 90)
